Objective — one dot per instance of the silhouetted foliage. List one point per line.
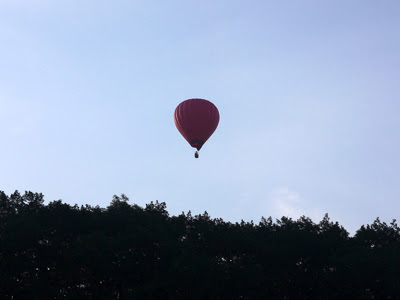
(59, 251)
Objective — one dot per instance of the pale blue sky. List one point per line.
(308, 93)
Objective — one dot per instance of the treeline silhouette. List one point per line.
(59, 251)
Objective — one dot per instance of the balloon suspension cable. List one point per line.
(196, 154)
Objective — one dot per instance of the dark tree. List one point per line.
(124, 251)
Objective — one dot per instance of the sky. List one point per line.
(307, 91)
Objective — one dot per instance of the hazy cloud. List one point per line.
(290, 204)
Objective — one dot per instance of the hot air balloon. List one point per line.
(196, 119)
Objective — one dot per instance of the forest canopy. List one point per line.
(125, 251)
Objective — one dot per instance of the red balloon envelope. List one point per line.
(196, 119)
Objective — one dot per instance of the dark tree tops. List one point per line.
(59, 251)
